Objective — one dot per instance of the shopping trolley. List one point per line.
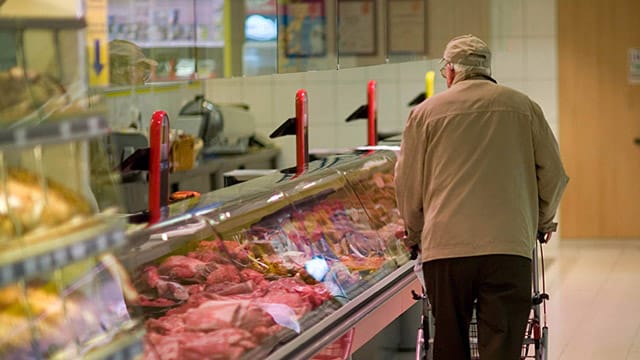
(535, 343)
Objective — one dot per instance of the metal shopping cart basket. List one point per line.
(535, 343)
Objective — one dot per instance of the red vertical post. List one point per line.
(372, 114)
(302, 123)
(158, 166)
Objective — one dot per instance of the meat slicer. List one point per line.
(224, 128)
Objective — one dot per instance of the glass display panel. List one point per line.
(67, 312)
(43, 76)
(371, 178)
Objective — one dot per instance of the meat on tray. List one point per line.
(207, 298)
(184, 268)
(224, 344)
(228, 297)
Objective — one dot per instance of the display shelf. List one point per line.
(180, 44)
(285, 255)
(21, 23)
(69, 129)
(76, 242)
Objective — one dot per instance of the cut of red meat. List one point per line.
(168, 324)
(208, 256)
(250, 274)
(292, 300)
(213, 315)
(252, 317)
(229, 288)
(261, 332)
(158, 302)
(222, 273)
(159, 347)
(172, 290)
(225, 344)
(183, 267)
(194, 288)
(151, 276)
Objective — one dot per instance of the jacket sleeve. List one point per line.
(409, 177)
(552, 179)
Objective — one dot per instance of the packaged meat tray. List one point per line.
(237, 279)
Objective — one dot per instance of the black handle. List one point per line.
(537, 300)
(636, 141)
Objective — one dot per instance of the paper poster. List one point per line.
(406, 26)
(305, 28)
(357, 27)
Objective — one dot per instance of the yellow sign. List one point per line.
(97, 42)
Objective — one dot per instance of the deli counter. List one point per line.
(285, 268)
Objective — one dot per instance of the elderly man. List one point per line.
(478, 175)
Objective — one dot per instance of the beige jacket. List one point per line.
(479, 172)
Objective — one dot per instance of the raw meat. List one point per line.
(183, 268)
(168, 324)
(158, 302)
(229, 288)
(160, 347)
(225, 344)
(166, 289)
(213, 315)
(222, 273)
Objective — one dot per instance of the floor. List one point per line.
(594, 312)
(594, 307)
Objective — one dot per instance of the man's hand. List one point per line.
(544, 237)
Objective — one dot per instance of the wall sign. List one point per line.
(406, 27)
(357, 27)
(305, 28)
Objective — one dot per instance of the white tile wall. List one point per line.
(352, 134)
(523, 39)
(509, 58)
(258, 94)
(541, 54)
(507, 18)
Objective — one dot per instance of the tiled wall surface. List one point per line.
(524, 45)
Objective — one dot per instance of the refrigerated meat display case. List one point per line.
(294, 268)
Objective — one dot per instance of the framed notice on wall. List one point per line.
(406, 26)
(357, 27)
(305, 28)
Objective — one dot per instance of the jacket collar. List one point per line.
(472, 76)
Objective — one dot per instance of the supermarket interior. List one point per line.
(214, 179)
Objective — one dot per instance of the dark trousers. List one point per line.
(501, 285)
